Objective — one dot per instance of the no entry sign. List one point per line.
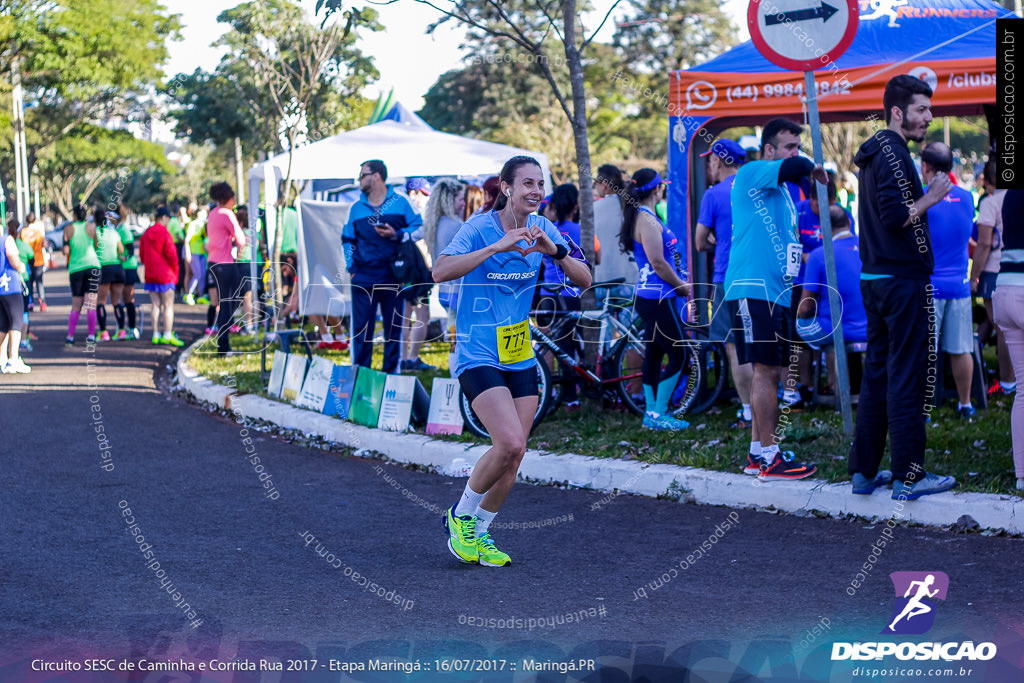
(802, 35)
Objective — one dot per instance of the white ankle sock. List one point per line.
(483, 520)
(747, 415)
(963, 405)
(755, 449)
(469, 502)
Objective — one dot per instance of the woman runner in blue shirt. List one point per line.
(658, 287)
(498, 255)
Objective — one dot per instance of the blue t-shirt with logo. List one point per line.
(950, 223)
(848, 265)
(649, 284)
(496, 294)
(553, 274)
(763, 236)
(716, 213)
(808, 226)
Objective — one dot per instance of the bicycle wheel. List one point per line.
(714, 365)
(556, 383)
(475, 425)
(627, 360)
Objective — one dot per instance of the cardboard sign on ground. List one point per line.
(367, 397)
(396, 407)
(294, 374)
(316, 385)
(339, 394)
(445, 416)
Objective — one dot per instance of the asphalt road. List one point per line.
(280, 578)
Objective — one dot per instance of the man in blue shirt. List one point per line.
(951, 222)
(714, 233)
(764, 260)
(814, 318)
(377, 224)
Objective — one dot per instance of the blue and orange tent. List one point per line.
(948, 43)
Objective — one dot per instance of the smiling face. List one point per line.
(527, 190)
(914, 123)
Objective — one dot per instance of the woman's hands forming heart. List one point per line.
(535, 238)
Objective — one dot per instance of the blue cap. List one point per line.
(162, 212)
(728, 150)
(420, 184)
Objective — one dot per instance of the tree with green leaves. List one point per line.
(285, 80)
(73, 167)
(79, 61)
(554, 38)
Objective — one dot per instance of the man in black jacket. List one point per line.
(896, 252)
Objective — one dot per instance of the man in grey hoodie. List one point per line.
(896, 251)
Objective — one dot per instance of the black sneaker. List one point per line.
(968, 413)
(785, 466)
(69, 341)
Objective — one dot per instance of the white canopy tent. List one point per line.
(408, 150)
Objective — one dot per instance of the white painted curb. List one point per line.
(990, 511)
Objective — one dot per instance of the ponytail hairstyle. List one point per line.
(508, 174)
(631, 206)
(565, 200)
(79, 212)
(99, 217)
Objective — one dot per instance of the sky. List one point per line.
(410, 68)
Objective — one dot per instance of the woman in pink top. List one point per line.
(223, 232)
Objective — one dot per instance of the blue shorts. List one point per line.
(155, 287)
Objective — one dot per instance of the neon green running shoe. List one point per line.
(158, 339)
(461, 535)
(490, 556)
(172, 339)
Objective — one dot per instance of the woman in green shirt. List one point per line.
(83, 272)
(111, 254)
(125, 310)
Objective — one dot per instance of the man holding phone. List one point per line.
(377, 224)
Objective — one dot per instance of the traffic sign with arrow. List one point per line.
(823, 11)
(799, 35)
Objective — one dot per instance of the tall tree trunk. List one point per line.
(574, 61)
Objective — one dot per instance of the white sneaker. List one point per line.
(18, 365)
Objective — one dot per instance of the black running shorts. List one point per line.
(85, 281)
(762, 331)
(112, 273)
(520, 383)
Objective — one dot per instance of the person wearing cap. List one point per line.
(416, 306)
(160, 261)
(764, 260)
(714, 234)
(377, 223)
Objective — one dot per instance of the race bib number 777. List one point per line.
(514, 343)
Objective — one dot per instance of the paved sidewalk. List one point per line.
(996, 512)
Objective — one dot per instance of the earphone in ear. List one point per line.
(508, 193)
